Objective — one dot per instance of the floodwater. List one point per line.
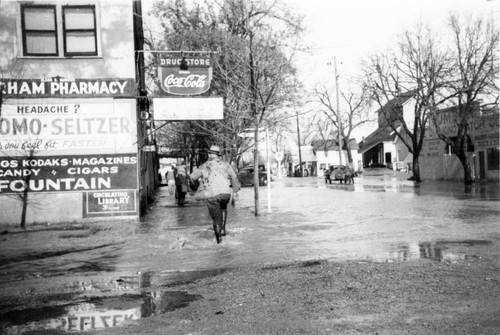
(383, 217)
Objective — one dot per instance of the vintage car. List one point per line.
(339, 172)
(245, 176)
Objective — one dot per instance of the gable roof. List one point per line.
(378, 136)
(331, 145)
(385, 133)
(393, 105)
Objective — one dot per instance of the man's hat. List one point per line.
(214, 149)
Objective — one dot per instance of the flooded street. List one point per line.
(382, 218)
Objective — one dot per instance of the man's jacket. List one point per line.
(217, 176)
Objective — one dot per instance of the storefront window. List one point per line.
(493, 159)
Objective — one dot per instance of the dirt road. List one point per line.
(460, 297)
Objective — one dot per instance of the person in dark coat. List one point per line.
(181, 184)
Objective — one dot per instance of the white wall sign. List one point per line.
(67, 125)
(202, 108)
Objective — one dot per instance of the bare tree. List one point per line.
(269, 31)
(355, 115)
(14, 70)
(472, 85)
(255, 42)
(416, 69)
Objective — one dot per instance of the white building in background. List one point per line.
(327, 154)
(383, 148)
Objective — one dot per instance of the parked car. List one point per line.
(245, 176)
(298, 173)
(341, 173)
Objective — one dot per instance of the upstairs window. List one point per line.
(52, 30)
(79, 30)
(39, 29)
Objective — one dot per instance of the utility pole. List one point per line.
(268, 168)
(298, 139)
(339, 125)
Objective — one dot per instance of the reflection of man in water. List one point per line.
(218, 177)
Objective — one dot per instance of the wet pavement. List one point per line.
(382, 217)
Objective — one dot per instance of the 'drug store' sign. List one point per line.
(193, 79)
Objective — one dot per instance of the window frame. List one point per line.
(492, 159)
(22, 49)
(66, 31)
(24, 31)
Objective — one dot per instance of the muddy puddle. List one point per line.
(94, 313)
(107, 302)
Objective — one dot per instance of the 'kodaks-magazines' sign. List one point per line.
(68, 173)
(193, 80)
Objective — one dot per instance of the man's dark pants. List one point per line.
(215, 206)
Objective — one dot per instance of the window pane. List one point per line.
(493, 159)
(40, 43)
(79, 42)
(39, 18)
(79, 18)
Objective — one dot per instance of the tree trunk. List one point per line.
(461, 146)
(24, 201)
(349, 154)
(256, 168)
(416, 169)
(468, 179)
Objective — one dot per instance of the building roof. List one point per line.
(331, 145)
(307, 153)
(378, 136)
(384, 133)
(392, 106)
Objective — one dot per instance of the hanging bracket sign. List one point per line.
(185, 75)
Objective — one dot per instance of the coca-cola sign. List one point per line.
(193, 79)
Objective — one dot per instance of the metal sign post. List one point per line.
(268, 172)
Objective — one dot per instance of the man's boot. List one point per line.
(217, 233)
(224, 218)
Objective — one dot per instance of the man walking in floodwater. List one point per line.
(181, 183)
(217, 177)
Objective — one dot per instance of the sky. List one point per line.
(350, 30)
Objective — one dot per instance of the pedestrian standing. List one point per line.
(181, 183)
(219, 182)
